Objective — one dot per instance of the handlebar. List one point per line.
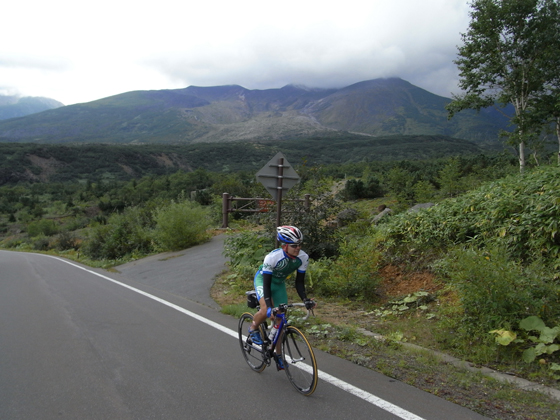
(283, 307)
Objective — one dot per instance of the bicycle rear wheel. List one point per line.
(299, 361)
(253, 354)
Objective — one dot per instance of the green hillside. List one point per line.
(61, 163)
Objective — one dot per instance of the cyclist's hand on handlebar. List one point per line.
(271, 312)
(309, 304)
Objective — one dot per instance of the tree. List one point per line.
(450, 179)
(548, 101)
(400, 183)
(506, 59)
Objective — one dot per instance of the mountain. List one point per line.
(15, 106)
(232, 113)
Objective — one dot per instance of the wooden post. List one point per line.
(225, 210)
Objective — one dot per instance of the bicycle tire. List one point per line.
(299, 361)
(252, 353)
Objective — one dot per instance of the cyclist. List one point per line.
(270, 280)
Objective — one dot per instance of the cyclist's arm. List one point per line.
(300, 285)
(267, 292)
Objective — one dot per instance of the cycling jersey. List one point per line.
(280, 266)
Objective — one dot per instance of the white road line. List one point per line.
(360, 393)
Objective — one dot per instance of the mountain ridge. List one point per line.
(377, 107)
(12, 106)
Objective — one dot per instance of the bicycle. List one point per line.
(297, 355)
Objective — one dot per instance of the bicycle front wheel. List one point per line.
(299, 361)
(253, 354)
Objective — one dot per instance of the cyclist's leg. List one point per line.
(260, 316)
(279, 296)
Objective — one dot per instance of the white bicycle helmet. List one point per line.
(289, 235)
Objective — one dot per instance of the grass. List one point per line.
(237, 310)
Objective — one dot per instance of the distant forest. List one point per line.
(27, 162)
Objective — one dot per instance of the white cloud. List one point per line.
(77, 52)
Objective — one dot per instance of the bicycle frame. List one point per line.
(281, 327)
(280, 312)
(296, 352)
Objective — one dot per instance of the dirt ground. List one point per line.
(395, 284)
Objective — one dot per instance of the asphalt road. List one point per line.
(81, 343)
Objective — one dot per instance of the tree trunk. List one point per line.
(521, 157)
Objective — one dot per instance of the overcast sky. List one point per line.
(75, 51)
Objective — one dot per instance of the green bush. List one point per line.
(246, 251)
(354, 274)
(124, 234)
(356, 188)
(320, 239)
(248, 247)
(42, 227)
(520, 213)
(495, 292)
(41, 243)
(66, 240)
(181, 224)
(347, 216)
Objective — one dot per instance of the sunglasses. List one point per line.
(294, 245)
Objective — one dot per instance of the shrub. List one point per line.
(248, 248)
(347, 216)
(520, 213)
(122, 235)
(181, 224)
(246, 251)
(424, 191)
(41, 243)
(66, 240)
(320, 239)
(42, 227)
(354, 189)
(495, 292)
(354, 274)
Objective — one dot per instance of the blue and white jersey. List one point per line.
(280, 265)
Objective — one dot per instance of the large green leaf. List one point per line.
(504, 337)
(548, 335)
(529, 355)
(532, 323)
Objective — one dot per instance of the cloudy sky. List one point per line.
(75, 51)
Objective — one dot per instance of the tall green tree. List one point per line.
(505, 59)
(547, 106)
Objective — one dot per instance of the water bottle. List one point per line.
(273, 332)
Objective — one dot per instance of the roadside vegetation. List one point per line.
(473, 274)
(493, 251)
